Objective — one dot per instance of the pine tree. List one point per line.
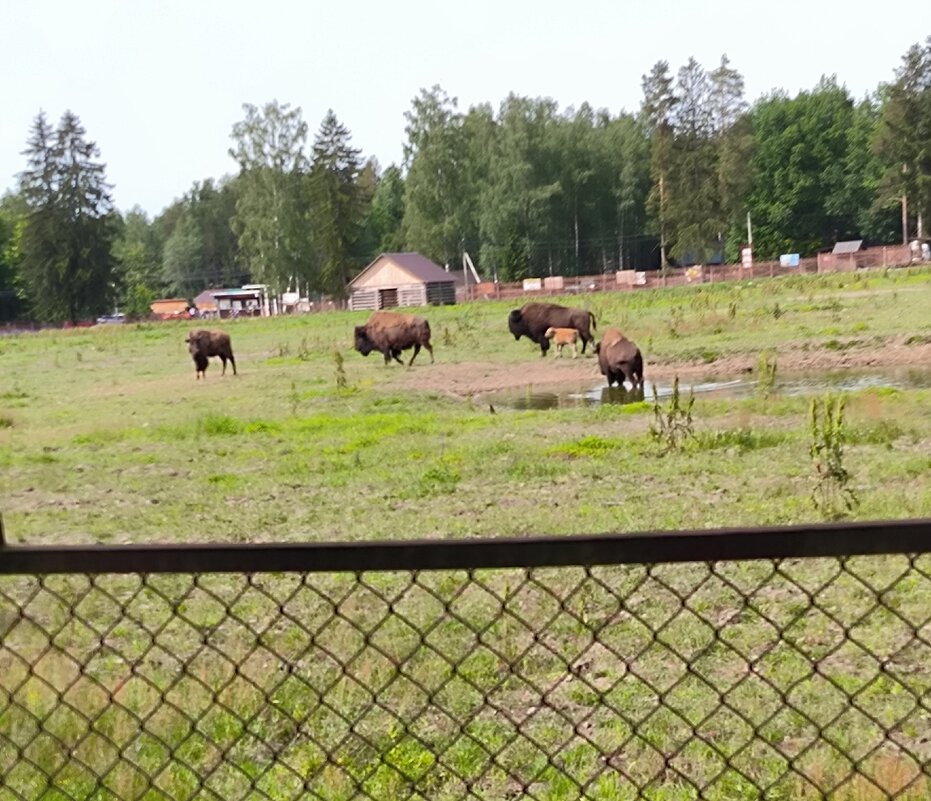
(338, 202)
(66, 245)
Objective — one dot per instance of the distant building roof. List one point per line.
(167, 307)
(208, 298)
(851, 246)
(418, 267)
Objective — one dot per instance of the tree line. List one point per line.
(527, 189)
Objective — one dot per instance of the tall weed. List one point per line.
(672, 424)
(832, 495)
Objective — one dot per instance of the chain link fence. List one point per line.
(746, 664)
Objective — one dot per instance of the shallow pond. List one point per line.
(803, 383)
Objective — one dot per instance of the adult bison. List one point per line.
(203, 344)
(619, 359)
(533, 319)
(390, 333)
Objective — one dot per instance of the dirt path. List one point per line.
(475, 378)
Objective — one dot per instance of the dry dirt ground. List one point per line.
(466, 379)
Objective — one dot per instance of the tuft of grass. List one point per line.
(743, 440)
(219, 425)
(439, 479)
(585, 447)
(882, 432)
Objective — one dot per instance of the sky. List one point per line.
(159, 84)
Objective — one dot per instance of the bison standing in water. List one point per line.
(203, 344)
(619, 359)
(533, 319)
(390, 333)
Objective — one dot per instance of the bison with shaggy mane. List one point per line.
(203, 344)
(533, 319)
(390, 333)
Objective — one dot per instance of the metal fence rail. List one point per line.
(788, 663)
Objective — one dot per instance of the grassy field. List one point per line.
(107, 437)
(666, 683)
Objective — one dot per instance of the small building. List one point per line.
(402, 279)
(247, 302)
(168, 308)
(843, 256)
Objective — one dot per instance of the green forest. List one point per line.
(528, 189)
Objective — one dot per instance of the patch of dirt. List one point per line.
(464, 379)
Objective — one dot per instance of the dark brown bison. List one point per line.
(390, 333)
(533, 319)
(619, 359)
(203, 344)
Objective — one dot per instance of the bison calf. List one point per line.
(561, 337)
(204, 344)
(390, 333)
(619, 359)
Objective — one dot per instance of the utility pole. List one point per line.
(904, 220)
(904, 207)
(662, 225)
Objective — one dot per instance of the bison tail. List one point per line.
(592, 318)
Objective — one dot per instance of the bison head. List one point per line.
(193, 340)
(516, 324)
(363, 343)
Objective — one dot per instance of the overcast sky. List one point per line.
(159, 84)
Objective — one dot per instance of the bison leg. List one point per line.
(544, 347)
(416, 351)
(396, 355)
(233, 362)
(223, 359)
(575, 350)
(429, 348)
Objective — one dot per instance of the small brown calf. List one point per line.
(562, 337)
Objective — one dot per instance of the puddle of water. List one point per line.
(792, 384)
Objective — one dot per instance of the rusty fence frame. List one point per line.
(881, 537)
